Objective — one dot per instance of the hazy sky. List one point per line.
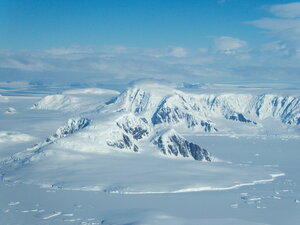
(123, 40)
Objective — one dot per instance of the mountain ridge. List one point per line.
(156, 113)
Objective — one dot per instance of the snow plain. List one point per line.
(255, 181)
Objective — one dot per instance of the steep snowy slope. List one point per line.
(283, 108)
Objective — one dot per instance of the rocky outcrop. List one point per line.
(123, 143)
(135, 126)
(239, 117)
(172, 143)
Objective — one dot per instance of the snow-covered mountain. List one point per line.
(154, 116)
(145, 140)
(171, 106)
(77, 100)
(146, 110)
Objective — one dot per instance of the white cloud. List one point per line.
(276, 47)
(290, 10)
(229, 45)
(27, 63)
(178, 52)
(107, 63)
(287, 24)
(14, 84)
(68, 51)
(202, 50)
(277, 24)
(8, 137)
(222, 1)
(285, 27)
(125, 64)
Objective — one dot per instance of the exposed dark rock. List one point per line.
(239, 117)
(174, 144)
(135, 148)
(112, 100)
(72, 126)
(125, 142)
(137, 132)
(175, 115)
(207, 126)
(199, 153)
(138, 128)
